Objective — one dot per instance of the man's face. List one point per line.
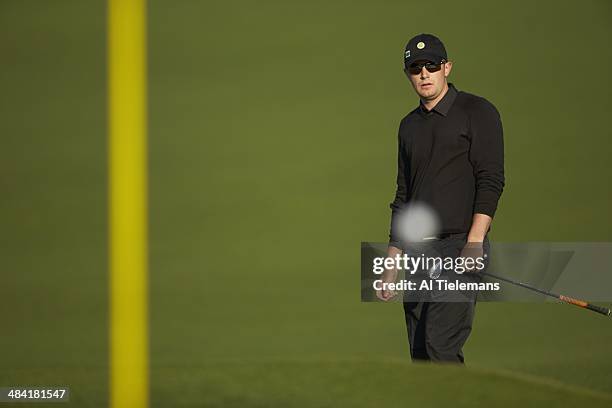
(429, 85)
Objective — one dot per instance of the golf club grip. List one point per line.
(599, 309)
(582, 303)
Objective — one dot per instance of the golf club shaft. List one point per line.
(580, 303)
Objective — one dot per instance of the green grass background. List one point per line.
(272, 156)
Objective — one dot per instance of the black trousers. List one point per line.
(438, 330)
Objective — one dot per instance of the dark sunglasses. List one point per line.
(417, 67)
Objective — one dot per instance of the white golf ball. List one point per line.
(417, 221)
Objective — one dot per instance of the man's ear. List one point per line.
(447, 68)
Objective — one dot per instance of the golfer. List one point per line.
(451, 159)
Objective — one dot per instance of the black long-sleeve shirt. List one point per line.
(451, 158)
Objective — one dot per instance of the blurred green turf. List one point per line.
(272, 156)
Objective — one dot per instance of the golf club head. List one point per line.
(435, 271)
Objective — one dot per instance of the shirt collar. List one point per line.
(445, 103)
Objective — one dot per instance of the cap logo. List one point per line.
(421, 45)
(407, 54)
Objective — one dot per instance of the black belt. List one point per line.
(444, 235)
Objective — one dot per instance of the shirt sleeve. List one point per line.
(401, 192)
(487, 157)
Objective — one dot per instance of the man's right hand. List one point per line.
(388, 276)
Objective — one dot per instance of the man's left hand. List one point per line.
(470, 253)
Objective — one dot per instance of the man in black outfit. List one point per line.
(450, 158)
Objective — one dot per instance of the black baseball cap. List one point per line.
(424, 47)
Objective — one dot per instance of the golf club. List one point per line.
(580, 303)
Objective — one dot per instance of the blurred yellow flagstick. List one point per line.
(127, 78)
